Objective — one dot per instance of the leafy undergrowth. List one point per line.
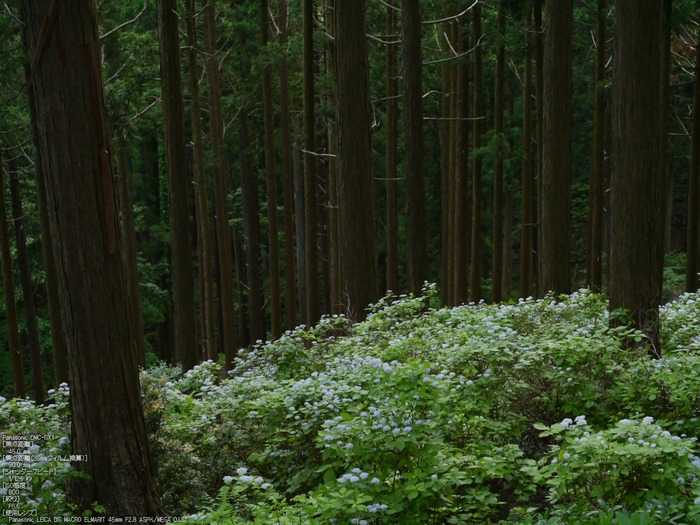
(532, 412)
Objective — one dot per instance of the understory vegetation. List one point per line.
(528, 412)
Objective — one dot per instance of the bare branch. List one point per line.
(127, 23)
(143, 111)
(390, 6)
(456, 56)
(318, 154)
(429, 22)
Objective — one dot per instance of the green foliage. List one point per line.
(420, 415)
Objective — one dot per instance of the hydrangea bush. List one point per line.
(531, 411)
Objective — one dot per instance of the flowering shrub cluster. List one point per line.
(478, 414)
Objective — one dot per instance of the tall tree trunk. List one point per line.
(446, 190)
(555, 251)
(497, 271)
(25, 275)
(638, 136)
(507, 244)
(358, 253)
(107, 419)
(416, 214)
(539, 96)
(595, 256)
(251, 226)
(58, 337)
(475, 275)
(176, 166)
(336, 284)
(206, 262)
(223, 229)
(311, 248)
(456, 242)
(287, 176)
(271, 171)
(126, 210)
(528, 217)
(461, 172)
(8, 287)
(392, 121)
(692, 242)
(299, 198)
(667, 174)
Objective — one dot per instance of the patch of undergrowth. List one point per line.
(528, 412)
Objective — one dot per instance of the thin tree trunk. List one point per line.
(358, 252)
(176, 165)
(507, 245)
(692, 243)
(58, 337)
(8, 287)
(667, 174)
(223, 229)
(392, 120)
(496, 273)
(206, 261)
(126, 210)
(528, 217)
(555, 251)
(539, 79)
(271, 171)
(336, 284)
(251, 225)
(299, 199)
(456, 242)
(25, 275)
(243, 335)
(416, 214)
(287, 176)
(446, 190)
(461, 172)
(311, 248)
(595, 256)
(475, 275)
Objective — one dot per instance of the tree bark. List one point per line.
(595, 256)
(206, 287)
(287, 176)
(497, 271)
(692, 243)
(637, 163)
(8, 287)
(176, 166)
(25, 274)
(311, 248)
(358, 253)
(539, 79)
(528, 217)
(555, 251)
(461, 199)
(414, 172)
(223, 229)
(446, 190)
(73, 148)
(126, 210)
(475, 274)
(251, 226)
(271, 183)
(299, 205)
(336, 283)
(392, 121)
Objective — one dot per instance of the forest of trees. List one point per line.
(184, 178)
